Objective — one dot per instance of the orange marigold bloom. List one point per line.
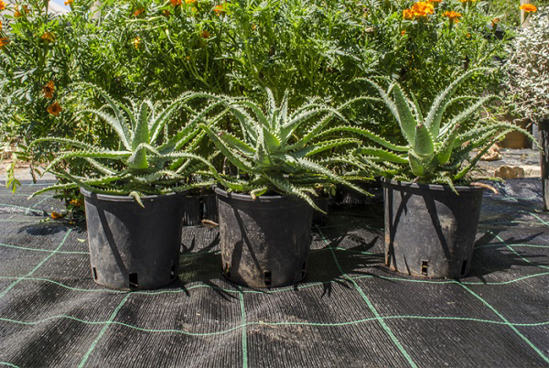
(17, 13)
(0, 25)
(49, 89)
(175, 2)
(56, 216)
(138, 12)
(219, 9)
(403, 32)
(422, 9)
(4, 42)
(68, 2)
(136, 41)
(528, 8)
(48, 37)
(55, 109)
(2, 5)
(205, 34)
(452, 15)
(408, 14)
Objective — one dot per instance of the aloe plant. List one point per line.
(436, 149)
(278, 150)
(147, 161)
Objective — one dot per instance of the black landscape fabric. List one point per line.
(350, 311)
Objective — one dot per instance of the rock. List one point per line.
(509, 172)
(493, 154)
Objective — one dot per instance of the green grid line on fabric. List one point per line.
(12, 285)
(32, 208)
(507, 323)
(537, 217)
(103, 330)
(9, 364)
(278, 323)
(517, 253)
(42, 250)
(243, 324)
(371, 307)
(27, 209)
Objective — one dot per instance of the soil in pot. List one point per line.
(132, 247)
(430, 231)
(264, 242)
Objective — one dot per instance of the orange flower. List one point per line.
(49, 89)
(403, 32)
(0, 25)
(48, 37)
(175, 2)
(205, 34)
(452, 16)
(56, 216)
(136, 41)
(422, 9)
(17, 13)
(219, 9)
(138, 12)
(55, 109)
(4, 42)
(528, 8)
(69, 2)
(2, 5)
(408, 14)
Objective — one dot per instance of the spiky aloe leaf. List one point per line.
(120, 129)
(367, 134)
(71, 142)
(423, 144)
(309, 165)
(310, 135)
(406, 119)
(116, 155)
(286, 187)
(471, 109)
(382, 155)
(316, 148)
(444, 152)
(418, 164)
(481, 153)
(434, 118)
(119, 122)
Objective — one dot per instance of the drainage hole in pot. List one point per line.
(94, 273)
(133, 281)
(424, 267)
(172, 272)
(304, 270)
(463, 267)
(267, 278)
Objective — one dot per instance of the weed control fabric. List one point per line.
(350, 310)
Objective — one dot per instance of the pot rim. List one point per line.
(119, 198)
(248, 198)
(434, 187)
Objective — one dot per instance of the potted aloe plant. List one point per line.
(266, 200)
(136, 196)
(432, 207)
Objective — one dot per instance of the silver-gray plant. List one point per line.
(528, 69)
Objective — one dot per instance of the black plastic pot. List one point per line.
(430, 230)
(132, 247)
(264, 242)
